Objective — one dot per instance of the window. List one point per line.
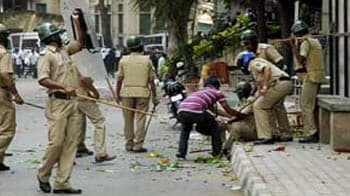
(120, 7)
(97, 23)
(121, 41)
(146, 8)
(120, 18)
(120, 23)
(145, 20)
(40, 8)
(145, 23)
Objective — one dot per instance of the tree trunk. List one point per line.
(105, 23)
(178, 37)
(286, 12)
(259, 9)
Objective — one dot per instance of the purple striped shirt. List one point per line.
(200, 101)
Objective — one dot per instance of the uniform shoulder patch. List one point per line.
(264, 46)
(43, 52)
(3, 51)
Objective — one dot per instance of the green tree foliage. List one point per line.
(177, 14)
(216, 43)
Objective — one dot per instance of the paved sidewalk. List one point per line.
(301, 169)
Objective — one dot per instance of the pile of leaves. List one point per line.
(212, 161)
(161, 164)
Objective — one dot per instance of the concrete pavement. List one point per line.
(299, 170)
(116, 177)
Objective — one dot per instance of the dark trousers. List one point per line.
(205, 124)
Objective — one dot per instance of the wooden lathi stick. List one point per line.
(114, 105)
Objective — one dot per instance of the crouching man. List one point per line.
(193, 110)
(243, 129)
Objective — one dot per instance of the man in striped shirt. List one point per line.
(193, 110)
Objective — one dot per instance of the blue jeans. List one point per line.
(205, 124)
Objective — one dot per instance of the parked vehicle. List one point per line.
(176, 93)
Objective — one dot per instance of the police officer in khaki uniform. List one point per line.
(249, 39)
(245, 128)
(268, 52)
(7, 90)
(91, 110)
(273, 85)
(134, 87)
(57, 72)
(310, 57)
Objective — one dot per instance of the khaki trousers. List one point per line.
(308, 103)
(63, 119)
(269, 109)
(94, 114)
(7, 125)
(241, 130)
(129, 116)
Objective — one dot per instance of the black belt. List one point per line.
(60, 95)
(284, 78)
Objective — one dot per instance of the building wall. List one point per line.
(130, 19)
(52, 6)
(335, 13)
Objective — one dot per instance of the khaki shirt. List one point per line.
(268, 52)
(136, 71)
(311, 49)
(246, 109)
(57, 65)
(5, 67)
(256, 67)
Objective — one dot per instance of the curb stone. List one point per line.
(250, 180)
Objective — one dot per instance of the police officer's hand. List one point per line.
(291, 40)
(75, 13)
(18, 99)
(70, 91)
(86, 81)
(263, 91)
(118, 99)
(155, 101)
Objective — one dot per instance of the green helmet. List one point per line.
(134, 42)
(3, 29)
(300, 28)
(243, 89)
(248, 36)
(46, 30)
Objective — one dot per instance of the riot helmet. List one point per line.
(248, 38)
(300, 28)
(48, 32)
(243, 89)
(243, 59)
(134, 44)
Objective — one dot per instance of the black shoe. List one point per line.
(104, 158)
(84, 153)
(67, 191)
(3, 167)
(310, 139)
(264, 141)
(140, 150)
(8, 154)
(278, 138)
(44, 186)
(180, 156)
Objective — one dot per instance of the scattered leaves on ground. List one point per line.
(249, 148)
